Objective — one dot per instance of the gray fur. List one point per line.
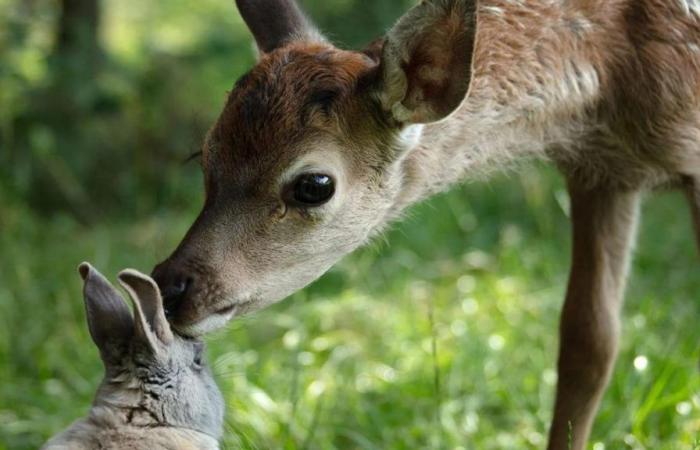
(156, 393)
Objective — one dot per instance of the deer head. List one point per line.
(304, 163)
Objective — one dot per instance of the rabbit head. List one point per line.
(155, 376)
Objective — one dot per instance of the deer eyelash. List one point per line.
(196, 155)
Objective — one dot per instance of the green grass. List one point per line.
(440, 335)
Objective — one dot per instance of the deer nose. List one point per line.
(174, 286)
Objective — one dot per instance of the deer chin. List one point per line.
(210, 321)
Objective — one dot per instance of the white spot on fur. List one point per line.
(495, 10)
(588, 81)
(578, 83)
(690, 6)
(410, 136)
(581, 23)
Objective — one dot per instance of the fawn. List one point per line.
(318, 149)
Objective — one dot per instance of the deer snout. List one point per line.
(174, 283)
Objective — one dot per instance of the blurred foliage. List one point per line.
(93, 135)
(97, 123)
(101, 131)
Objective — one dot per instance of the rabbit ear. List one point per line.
(150, 322)
(108, 317)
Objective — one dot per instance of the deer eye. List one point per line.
(312, 189)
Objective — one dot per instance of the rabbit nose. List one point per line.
(174, 287)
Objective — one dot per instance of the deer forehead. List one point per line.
(292, 95)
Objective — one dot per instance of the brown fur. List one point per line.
(297, 91)
(607, 89)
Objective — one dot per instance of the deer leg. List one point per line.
(604, 224)
(691, 187)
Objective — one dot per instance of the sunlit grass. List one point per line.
(442, 334)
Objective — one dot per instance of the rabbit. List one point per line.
(157, 392)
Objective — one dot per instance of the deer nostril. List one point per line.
(175, 285)
(180, 286)
(174, 293)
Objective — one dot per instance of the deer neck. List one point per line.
(535, 77)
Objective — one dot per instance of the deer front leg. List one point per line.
(604, 223)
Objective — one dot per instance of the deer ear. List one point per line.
(150, 323)
(426, 61)
(108, 317)
(276, 22)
